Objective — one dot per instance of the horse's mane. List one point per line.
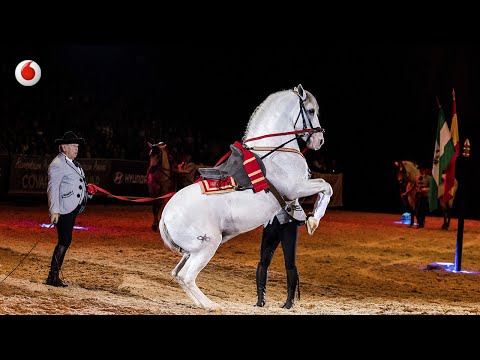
(259, 110)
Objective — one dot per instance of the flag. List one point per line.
(450, 170)
(442, 155)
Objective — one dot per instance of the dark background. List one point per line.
(377, 101)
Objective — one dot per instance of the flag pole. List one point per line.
(461, 209)
(461, 194)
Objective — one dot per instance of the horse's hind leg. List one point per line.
(180, 264)
(446, 218)
(412, 217)
(175, 271)
(188, 274)
(421, 210)
(161, 206)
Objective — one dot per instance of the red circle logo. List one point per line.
(28, 73)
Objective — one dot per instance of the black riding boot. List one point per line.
(292, 281)
(262, 272)
(53, 278)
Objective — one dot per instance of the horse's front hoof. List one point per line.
(155, 227)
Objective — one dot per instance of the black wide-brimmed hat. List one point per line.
(70, 138)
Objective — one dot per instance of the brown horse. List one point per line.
(414, 188)
(160, 179)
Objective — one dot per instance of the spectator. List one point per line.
(186, 171)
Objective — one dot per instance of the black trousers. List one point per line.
(65, 226)
(276, 233)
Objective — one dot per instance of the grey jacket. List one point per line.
(67, 186)
(294, 209)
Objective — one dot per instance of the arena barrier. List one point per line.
(27, 175)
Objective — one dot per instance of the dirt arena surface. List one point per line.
(355, 263)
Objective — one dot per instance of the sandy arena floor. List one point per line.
(355, 263)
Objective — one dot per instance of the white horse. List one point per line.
(196, 224)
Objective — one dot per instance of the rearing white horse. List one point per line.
(196, 224)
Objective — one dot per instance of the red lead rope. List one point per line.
(284, 133)
(93, 189)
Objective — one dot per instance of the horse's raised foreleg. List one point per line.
(319, 209)
(304, 188)
(187, 275)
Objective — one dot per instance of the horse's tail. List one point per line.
(167, 239)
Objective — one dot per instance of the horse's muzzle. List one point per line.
(316, 141)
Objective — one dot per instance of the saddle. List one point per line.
(233, 167)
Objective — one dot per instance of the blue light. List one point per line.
(404, 222)
(75, 227)
(81, 227)
(406, 218)
(450, 267)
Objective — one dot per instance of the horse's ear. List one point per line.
(149, 144)
(396, 163)
(299, 90)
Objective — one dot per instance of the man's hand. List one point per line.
(54, 218)
(91, 189)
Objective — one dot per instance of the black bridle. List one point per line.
(303, 112)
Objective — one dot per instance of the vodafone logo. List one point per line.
(28, 73)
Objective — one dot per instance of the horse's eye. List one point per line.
(311, 111)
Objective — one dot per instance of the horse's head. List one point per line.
(155, 148)
(158, 154)
(401, 173)
(286, 116)
(308, 119)
(407, 171)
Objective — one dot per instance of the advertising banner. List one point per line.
(29, 174)
(4, 173)
(128, 178)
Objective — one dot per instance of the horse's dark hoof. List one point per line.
(444, 227)
(155, 226)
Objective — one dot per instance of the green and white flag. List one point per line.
(444, 151)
